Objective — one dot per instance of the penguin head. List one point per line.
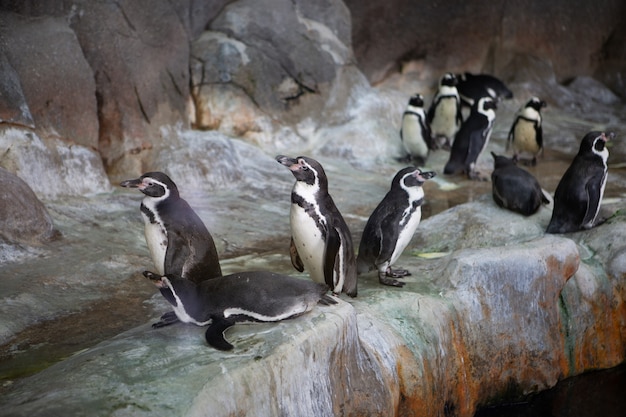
(595, 143)
(500, 161)
(416, 100)
(179, 289)
(153, 184)
(305, 169)
(449, 80)
(485, 104)
(536, 103)
(411, 177)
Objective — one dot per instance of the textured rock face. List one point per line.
(386, 35)
(467, 328)
(49, 83)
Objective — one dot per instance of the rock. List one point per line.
(479, 325)
(385, 36)
(23, 218)
(50, 82)
(52, 168)
(139, 60)
(282, 66)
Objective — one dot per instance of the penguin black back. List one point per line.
(579, 193)
(473, 87)
(514, 188)
(472, 139)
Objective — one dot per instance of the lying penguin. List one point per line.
(253, 296)
(514, 188)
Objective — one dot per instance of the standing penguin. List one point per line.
(514, 188)
(444, 114)
(473, 87)
(254, 296)
(526, 134)
(391, 226)
(472, 139)
(321, 242)
(415, 132)
(178, 240)
(578, 196)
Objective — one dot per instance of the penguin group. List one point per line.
(185, 258)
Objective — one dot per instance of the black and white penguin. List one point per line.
(514, 188)
(391, 226)
(415, 131)
(578, 196)
(472, 87)
(444, 114)
(253, 296)
(178, 241)
(526, 134)
(472, 139)
(321, 242)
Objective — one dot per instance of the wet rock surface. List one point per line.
(489, 298)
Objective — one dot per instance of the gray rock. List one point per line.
(23, 218)
(52, 168)
(50, 81)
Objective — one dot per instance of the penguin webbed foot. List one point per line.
(167, 319)
(397, 273)
(388, 277)
(215, 333)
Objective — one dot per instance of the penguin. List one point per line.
(178, 241)
(252, 296)
(472, 139)
(472, 87)
(391, 226)
(321, 242)
(444, 114)
(526, 134)
(515, 189)
(579, 193)
(415, 131)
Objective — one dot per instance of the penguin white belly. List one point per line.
(412, 138)
(406, 234)
(156, 238)
(309, 243)
(444, 122)
(524, 137)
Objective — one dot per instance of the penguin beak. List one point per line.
(607, 137)
(131, 184)
(423, 176)
(158, 280)
(291, 163)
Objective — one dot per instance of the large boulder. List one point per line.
(23, 218)
(264, 67)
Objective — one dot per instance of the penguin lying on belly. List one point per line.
(253, 296)
(514, 188)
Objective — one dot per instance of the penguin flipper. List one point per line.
(295, 257)
(333, 244)
(215, 333)
(594, 194)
